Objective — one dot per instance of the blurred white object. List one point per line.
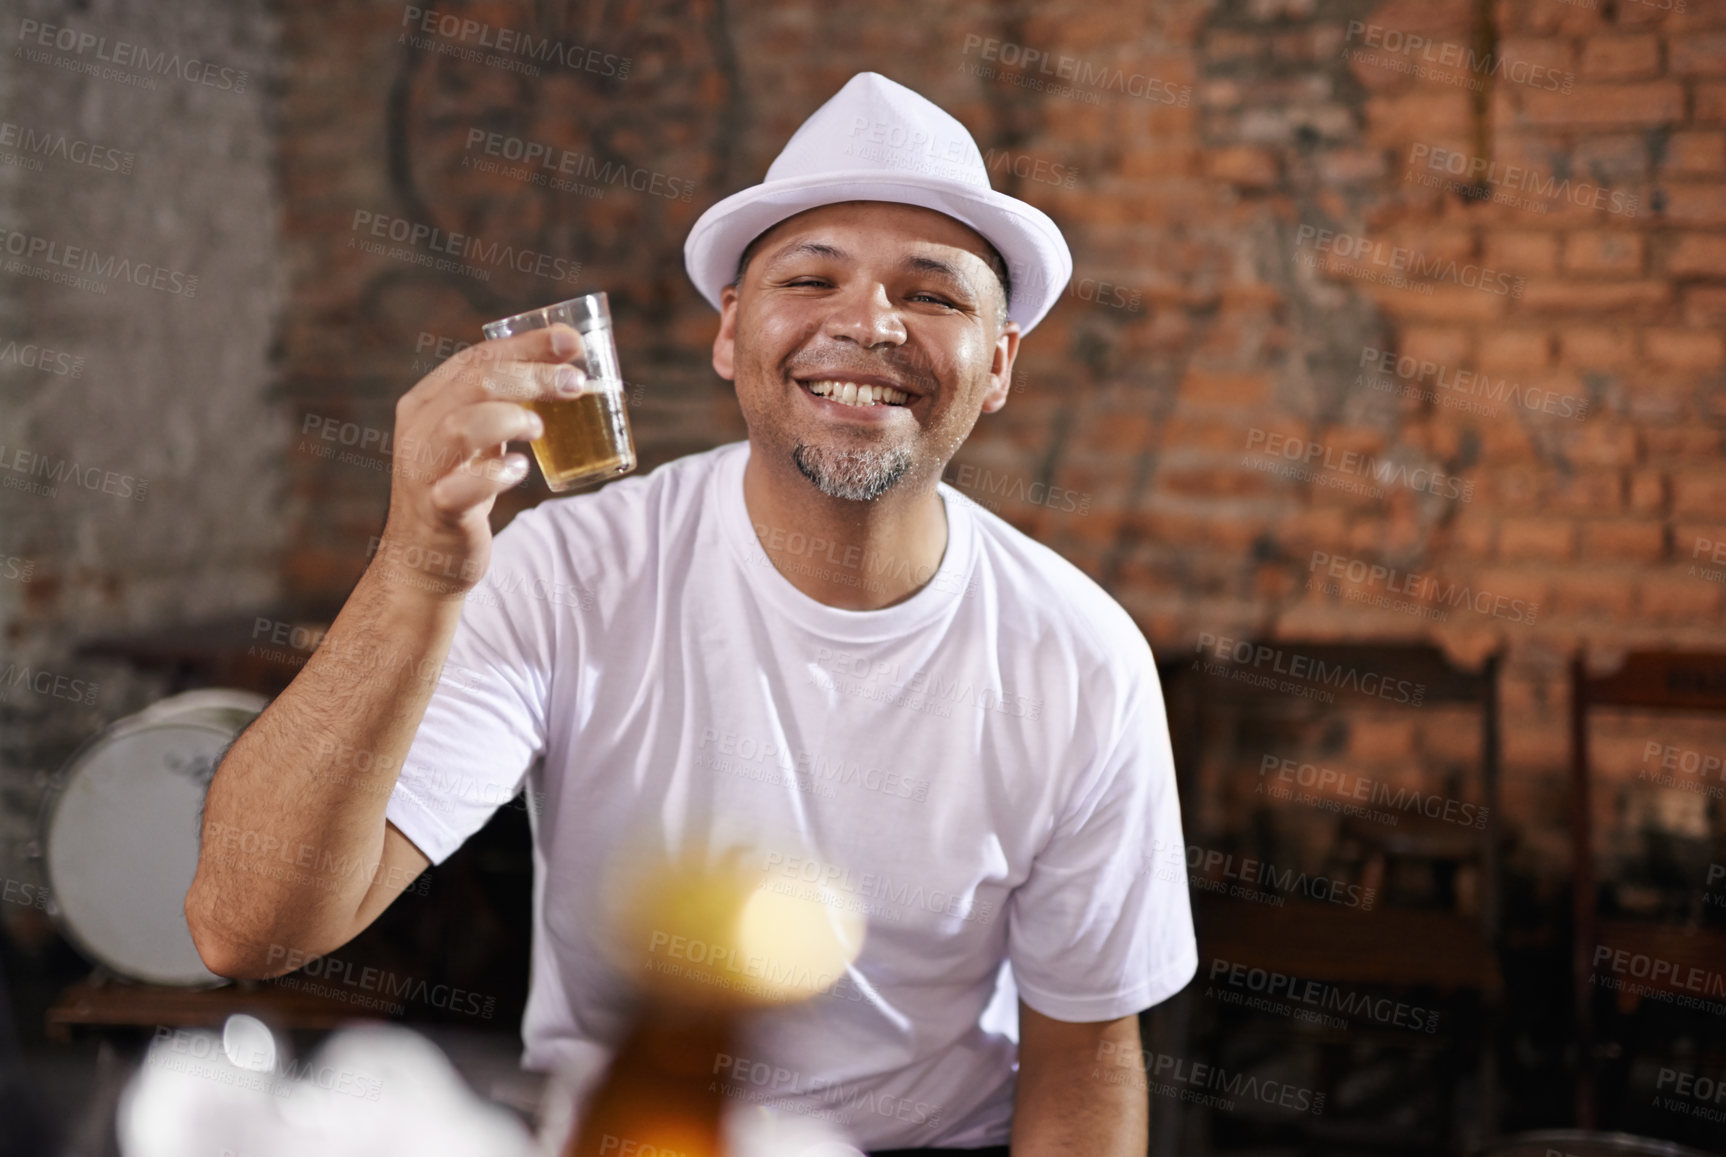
(248, 1044)
(371, 1091)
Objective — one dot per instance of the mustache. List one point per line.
(913, 369)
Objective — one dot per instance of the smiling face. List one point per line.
(862, 294)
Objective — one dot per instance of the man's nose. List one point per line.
(867, 316)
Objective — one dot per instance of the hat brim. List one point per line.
(1038, 261)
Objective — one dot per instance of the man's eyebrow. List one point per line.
(808, 248)
(940, 269)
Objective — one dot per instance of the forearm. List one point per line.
(294, 821)
(1071, 1110)
(1074, 1096)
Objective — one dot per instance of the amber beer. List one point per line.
(587, 437)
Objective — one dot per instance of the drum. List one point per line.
(120, 834)
(1581, 1143)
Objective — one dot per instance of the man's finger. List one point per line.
(472, 483)
(519, 381)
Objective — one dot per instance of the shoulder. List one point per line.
(1045, 600)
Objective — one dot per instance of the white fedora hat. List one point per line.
(876, 140)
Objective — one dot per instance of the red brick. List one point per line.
(1678, 597)
(1522, 252)
(1503, 350)
(1648, 13)
(1445, 345)
(1242, 165)
(1115, 432)
(1542, 539)
(1710, 101)
(1623, 539)
(1222, 481)
(1596, 348)
(1696, 54)
(1694, 151)
(1673, 445)
(1445, 303)
(1698, 255)
(1202, 388)
(1571, 297)
(1684, 349)
(1424, 113)
(1653, 102)
(1602, 443)
(1587, 493)
(1594, 593)
(1474, 532)
(1621, 56)
(1197, 432)
(1699, 493)
(1705, 305)
(1603, 254)
(1646, 492)
(1689, 203)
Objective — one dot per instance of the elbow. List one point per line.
(223, 953)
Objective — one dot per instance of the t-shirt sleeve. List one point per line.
(1102, 927)
(486, 721)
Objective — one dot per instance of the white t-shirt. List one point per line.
(983, 770)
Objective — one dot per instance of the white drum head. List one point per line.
(122, 836)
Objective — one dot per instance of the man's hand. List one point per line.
(450, 461)
(1070, 1100)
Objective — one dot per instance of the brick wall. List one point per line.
(1341, 296)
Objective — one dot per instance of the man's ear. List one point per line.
(725, 341)
(1001, 369)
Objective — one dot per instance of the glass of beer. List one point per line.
(586, 437)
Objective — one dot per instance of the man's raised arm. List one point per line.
(296, 856)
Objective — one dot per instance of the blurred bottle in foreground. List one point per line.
(705, 946)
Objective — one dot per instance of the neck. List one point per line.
(858, 556)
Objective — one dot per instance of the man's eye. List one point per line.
(806, 281)
(935, 299)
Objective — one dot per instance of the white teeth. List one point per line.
(852, 394)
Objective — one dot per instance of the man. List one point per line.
(805, 644)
